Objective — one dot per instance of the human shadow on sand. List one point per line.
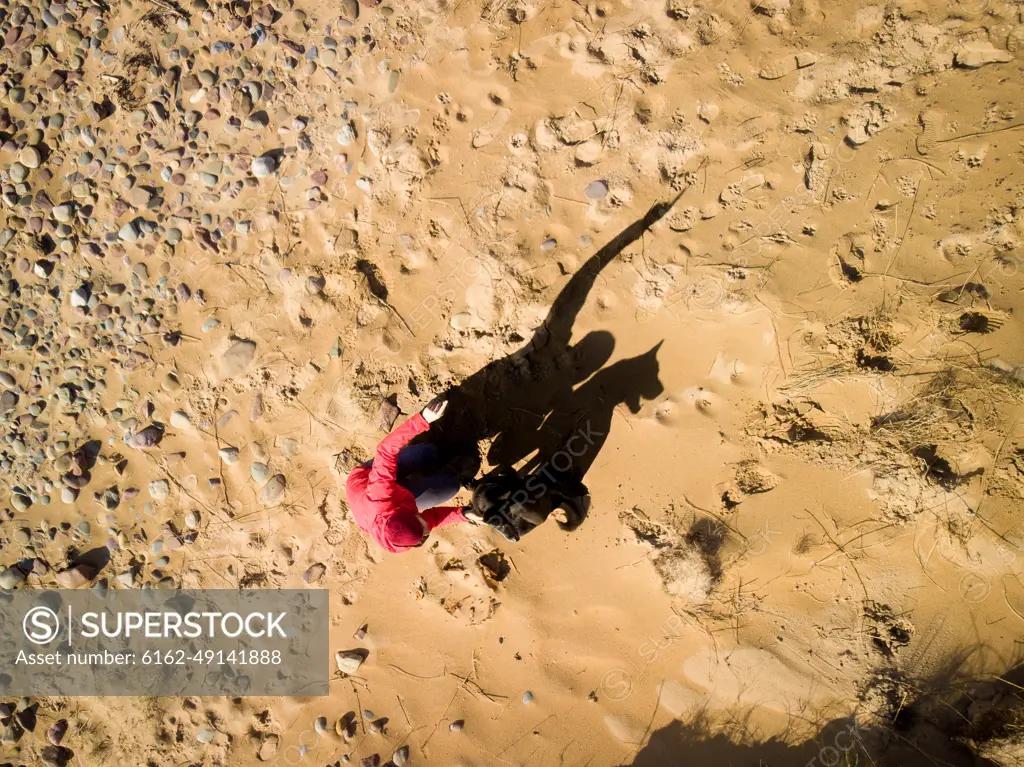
(952, 716)
(552, 402)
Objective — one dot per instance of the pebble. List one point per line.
(210, 323)
(401, 756)
(457, 725)
(180, 419)
(258, 471)
(56, 732)
(75, 577)
(159, 489)
(349, 662)
(206, 735)
(346, 135)
(192, 520)
(30, 157)
(129, 232)
(11, 577)
(273, 491)
(320, 725)
(263, 166)
(147, 438)
(527, 697)
(21, 502)
(18, 172)
(229, 455)
(596, 190)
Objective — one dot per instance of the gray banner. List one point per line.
(164, 642)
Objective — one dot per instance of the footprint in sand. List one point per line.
(668, 411)
(484, 136)
(704, 400)
(930, 120)
(678, 699)
(729, 370)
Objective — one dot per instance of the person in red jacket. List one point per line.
(395, 497)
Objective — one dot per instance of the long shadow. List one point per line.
(527, 401)
(949, 719)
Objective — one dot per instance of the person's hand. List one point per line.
(435, 409)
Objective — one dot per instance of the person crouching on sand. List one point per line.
(396, 496)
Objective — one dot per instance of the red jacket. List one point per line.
(374, 495)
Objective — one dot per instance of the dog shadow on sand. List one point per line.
(551, 402)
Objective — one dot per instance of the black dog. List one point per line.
(513, 505)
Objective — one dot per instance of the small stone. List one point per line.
(370, 761)
(63, 213)
(192, 520)
(210, 323)
(75, 577)
(159, 489)
(180, 419)
(527, 697)
(273, 491)
(368, 714)
(56, 732)
(80, 297)
(206, 735)
(349, 662)
(457, 725)
(320, 725)
(147, 438)
(462, 321)
(11, 577)
(263, 166)
(596, 190)
(258, 471)
(21, 502)
(229, 455)
(346, 135)
(401, 756)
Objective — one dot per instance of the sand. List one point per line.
(804, 543)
